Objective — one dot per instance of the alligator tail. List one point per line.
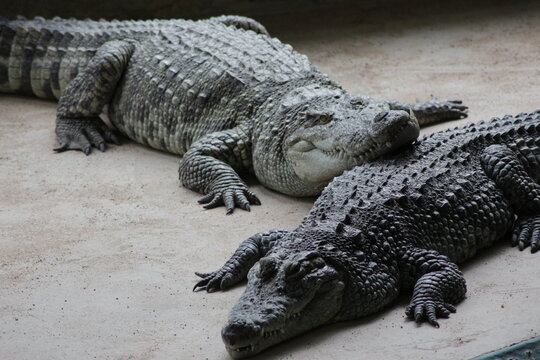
(39, 57)
(7, 33)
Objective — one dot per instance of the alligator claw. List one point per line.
(200, 285)
(454, 108)
(527, 233)
(211, 281)
(215, 281)
(442, 110)
(429, 310)
(61, 148)
(82, 134)
(236, 195)
(202, 275)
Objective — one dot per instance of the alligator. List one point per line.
(220, 92)
(396, 224)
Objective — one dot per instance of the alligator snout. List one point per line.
(392, 117)
(380, 116)
(240, 333)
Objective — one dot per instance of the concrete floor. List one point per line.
(98, 252)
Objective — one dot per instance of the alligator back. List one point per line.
(436, 191)
(200, 78)
(40, 57)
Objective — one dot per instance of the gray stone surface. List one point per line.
(98, 252)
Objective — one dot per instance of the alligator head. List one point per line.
(331, 142)
(322, 132)
(287, 294)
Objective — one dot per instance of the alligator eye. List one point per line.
(357, 101)
(318, 262)
(293, 270)
(320, 118)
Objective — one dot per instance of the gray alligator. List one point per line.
(401, 222)
(221, 92)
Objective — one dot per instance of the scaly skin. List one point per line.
(396, 224)
(221, 92)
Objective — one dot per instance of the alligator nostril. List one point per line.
(239, 332)
(380, 116)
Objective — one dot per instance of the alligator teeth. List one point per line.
(268, 334)
(295, 315)
(244, 348)
(411, 114)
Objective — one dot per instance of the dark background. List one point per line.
(145, 9)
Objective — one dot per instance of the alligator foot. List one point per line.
(454, 108)
(214, 281)
(527, 233)
(429, 309)
(230, 194)
(236, 268)
(82, 134)
(437, 110)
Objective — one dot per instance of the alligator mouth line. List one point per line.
(265, 334)
(268, 334)
(242, 349)
(373, 148)
(340, 154)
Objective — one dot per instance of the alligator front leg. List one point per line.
(512, 174)
(434, 110)
(438, 284)
(78, 125)
(208, 167)
(237, 267)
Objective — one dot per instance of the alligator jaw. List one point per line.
(319, 160)
(266, 337)
(284, 297)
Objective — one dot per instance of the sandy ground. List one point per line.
(98, 252)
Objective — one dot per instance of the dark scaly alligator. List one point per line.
(221, 92)
(401, 222)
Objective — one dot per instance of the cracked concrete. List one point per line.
(98, 252)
